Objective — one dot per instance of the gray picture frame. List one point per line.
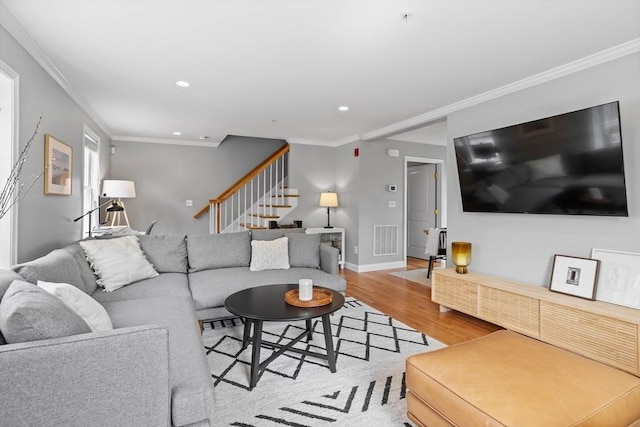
(574, 276)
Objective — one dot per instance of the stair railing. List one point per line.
(242, 204)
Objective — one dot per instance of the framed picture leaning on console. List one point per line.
(574, 276)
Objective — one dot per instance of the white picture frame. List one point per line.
(619, 278)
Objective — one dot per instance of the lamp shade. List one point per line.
(118, 189)
(328, 200)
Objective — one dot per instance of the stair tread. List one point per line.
(253, 227)
(287, 195)
(265, 216)
(276, 206)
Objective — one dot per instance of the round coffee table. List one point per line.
(267, 304)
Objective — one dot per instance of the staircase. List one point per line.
(255, 199)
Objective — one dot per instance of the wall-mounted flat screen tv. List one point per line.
(569, 164)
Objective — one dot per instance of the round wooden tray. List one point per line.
(320, 297)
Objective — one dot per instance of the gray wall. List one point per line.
(377, 170)
(167, 175)
(46, 222)
(348, 184)
(521, 247)
(312, 171)
(361, 183)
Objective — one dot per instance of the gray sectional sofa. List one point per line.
(150, 369)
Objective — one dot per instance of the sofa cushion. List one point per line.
(89, 278)
(56, 266)
(28, 313)
(167, 254)
(219, 250)
(173, 285)
(82, 304)
(211, 287)
(117, 262)
(269, 254)
(190, 378)
(267, 234)
(304, 250)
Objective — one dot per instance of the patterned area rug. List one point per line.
(368, 388)
(418, 276)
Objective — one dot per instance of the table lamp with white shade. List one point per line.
(328, 200)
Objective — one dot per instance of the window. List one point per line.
(90, 179)
(8, 154)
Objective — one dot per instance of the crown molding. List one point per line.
(323, 143)
(209, 143)
(18, 32)
(598, 58)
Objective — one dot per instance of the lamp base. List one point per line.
(461, 269)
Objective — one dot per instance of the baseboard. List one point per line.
(375, 267)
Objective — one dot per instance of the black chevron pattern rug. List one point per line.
(368, 388)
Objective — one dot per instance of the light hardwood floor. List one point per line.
(410, 303)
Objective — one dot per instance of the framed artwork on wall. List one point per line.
(58, 163)
(619, 278)
(574, 276)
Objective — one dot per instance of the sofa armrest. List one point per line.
(118, 377)
(329, 257)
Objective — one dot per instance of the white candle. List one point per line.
(305, 289)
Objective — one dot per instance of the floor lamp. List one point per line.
(118, 190)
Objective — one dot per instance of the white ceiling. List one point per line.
(280, 69)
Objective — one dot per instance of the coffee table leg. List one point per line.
(309, 330)
(255, 353)
(328, 342)
(247, 333)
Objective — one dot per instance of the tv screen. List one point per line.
(566, 164)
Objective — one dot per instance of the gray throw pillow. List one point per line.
(304, 250)
(28, 313)
(218, 250)
(6, 279)
(168, 254)
(267, 234)
(57, 266)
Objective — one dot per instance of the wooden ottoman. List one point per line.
(507, 379)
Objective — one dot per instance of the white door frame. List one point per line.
(12, 216)
(443, 196)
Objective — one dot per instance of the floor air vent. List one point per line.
(385, 240)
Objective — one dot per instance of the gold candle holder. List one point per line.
(461, 256)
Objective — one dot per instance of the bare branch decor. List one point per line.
(13, 190)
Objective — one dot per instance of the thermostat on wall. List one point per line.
(392, 188)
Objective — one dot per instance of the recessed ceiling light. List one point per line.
(343, 108)
(182, 83)
(177, 133)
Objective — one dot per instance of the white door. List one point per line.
(421, 207)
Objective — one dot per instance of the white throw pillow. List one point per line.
(82, 304)
(269, 254)
(117, 262)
